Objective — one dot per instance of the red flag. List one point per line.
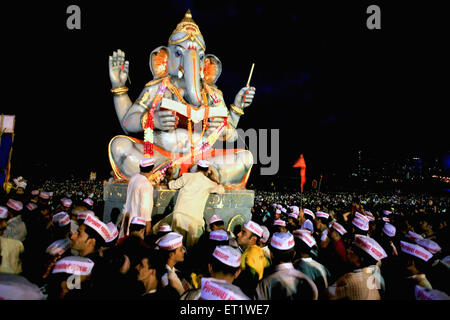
(302, 165)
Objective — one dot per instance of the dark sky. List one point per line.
(327, 82)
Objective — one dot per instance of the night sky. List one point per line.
(327, 82)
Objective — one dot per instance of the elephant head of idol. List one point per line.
(184, 58)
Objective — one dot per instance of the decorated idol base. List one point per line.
(233, 207)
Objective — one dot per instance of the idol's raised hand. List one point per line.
(118, 69)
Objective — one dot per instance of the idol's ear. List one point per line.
(212, 69)
(159, 60)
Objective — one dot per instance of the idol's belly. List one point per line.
(177, 140)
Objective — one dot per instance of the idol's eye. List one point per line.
(202, 56)
(178, 53)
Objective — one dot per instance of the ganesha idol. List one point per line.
(181, 113)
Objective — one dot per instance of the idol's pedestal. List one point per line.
(233, 207)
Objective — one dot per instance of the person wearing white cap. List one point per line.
(365, 281)
(224, 267)
(306, 248)
(10, 249)
(321, 229)
(194, 190)
(60, 228)
(360, 226)
(16, 227)
(415, 259)
(253, 260)
(335, 256)
(171, 252)
(385, 239)
(139, 202)
(215, 223)
(34, 196)
(279, 226)
(89, 203)
(90, 237)
(70, 273)
(137, 229)
(285, 283)
(292, 221)
(66, 204)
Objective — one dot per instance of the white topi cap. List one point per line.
(113, 231)
(387, 212)
(3, 212)
(170, 241)
(266, 234)
(370, 246)
(278, 211)
(203, 163)
(309, 212)
(321, 214)
(35, 192)
(361, 224)
(415, 250)
(414, 236)
(422, 293)
(214, 218)
(308, 225)
(254, 227)
(211, 289)
(44, 195)
(295, 209)
(282, 241)
(14, 204)
(293, 215)
(218, 235)
(361, 216)
(61, 218)
(89, 201)
(306, 237)
(283, 210)
(146, 162)
(389, 229)
(58, 247)
(98, 226)
(138, 220)
(31, 206)
(164, 228)
(82, 214)
(280, 223)
(430, 245)
(339, 228)
(74, 265)
(228, 255)
(66, 202)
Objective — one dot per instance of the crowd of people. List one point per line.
(312, 246)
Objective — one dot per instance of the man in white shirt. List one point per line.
(139, 201)
(194, 192)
